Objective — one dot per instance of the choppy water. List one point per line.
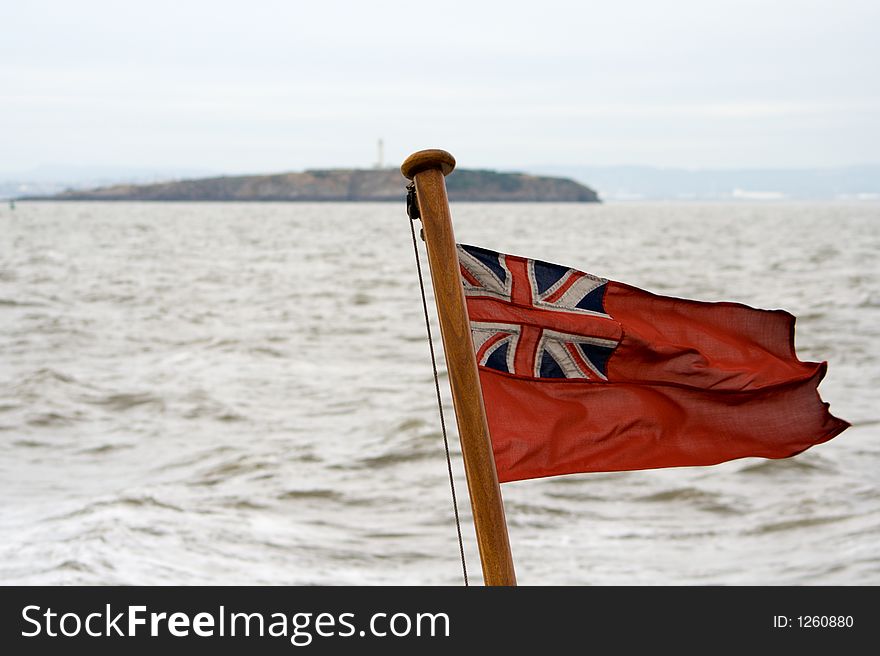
(241, 393)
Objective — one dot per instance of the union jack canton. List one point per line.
(536, 319)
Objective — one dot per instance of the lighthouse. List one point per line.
(380, 155)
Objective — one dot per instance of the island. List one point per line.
(341, 185)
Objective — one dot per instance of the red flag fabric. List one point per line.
(583, 374)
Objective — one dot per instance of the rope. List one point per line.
(412, 210)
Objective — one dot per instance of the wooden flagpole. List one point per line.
(427, 168)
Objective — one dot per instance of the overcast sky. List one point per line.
(263, 86)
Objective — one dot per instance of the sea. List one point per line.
(198, 393)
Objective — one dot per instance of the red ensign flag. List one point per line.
(583, 374)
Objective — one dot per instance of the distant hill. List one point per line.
(341, 185)
(50, 179)
(654, 183)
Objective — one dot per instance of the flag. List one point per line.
(584, 374)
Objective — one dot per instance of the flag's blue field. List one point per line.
(242, 393)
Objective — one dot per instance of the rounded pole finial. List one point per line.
(427, 159)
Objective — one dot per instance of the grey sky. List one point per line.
(262, 86)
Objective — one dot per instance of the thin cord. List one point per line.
(439, 404)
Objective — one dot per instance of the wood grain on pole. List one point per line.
(427, 169)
